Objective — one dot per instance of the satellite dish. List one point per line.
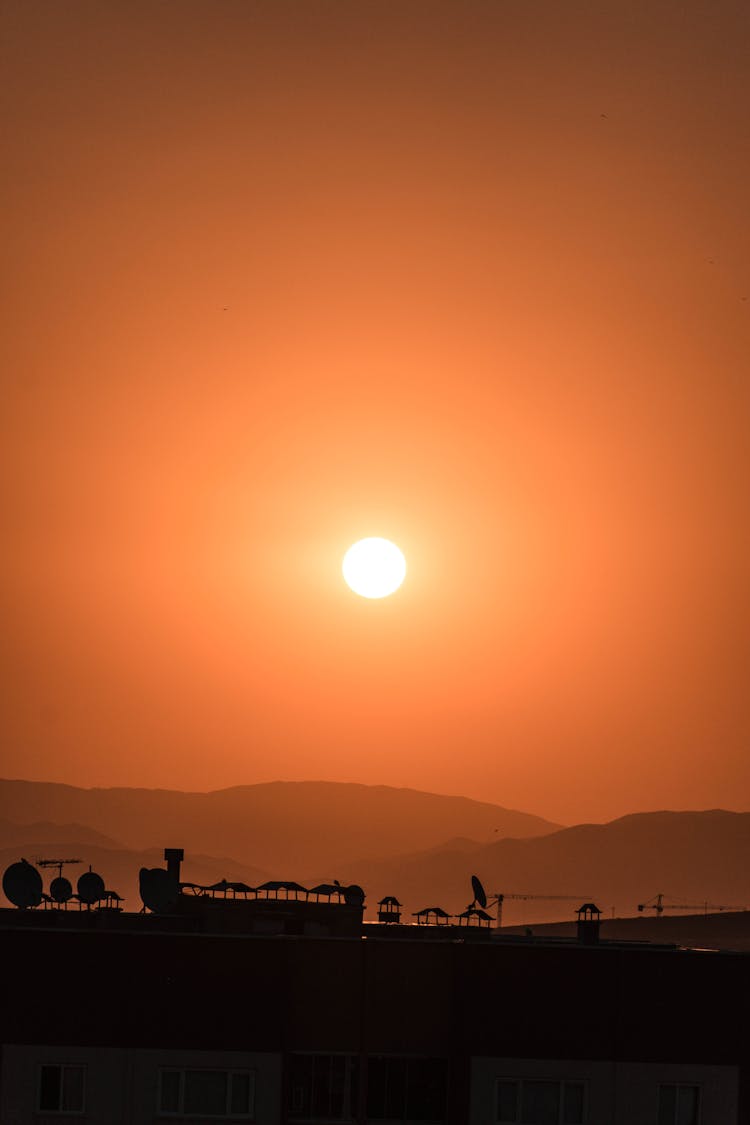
(479, 892)
(22, 885)
(159, 889)
(90, 887)
(354, 895)
(61, 889)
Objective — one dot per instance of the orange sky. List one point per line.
(474, 276)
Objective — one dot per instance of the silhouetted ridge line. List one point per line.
(277, 826)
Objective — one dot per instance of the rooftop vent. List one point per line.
(389, 910)
(588, 923)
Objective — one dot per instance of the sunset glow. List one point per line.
(374, 568)
(471, 276)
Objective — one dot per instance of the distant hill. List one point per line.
(14, 835)
(692, 856)
(292, 829)
(313, 832)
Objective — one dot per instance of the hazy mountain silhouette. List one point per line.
(456, 844)
(419, 846)
(14, 835)
(290, 828)
(692, 856)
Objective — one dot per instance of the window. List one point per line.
(679, 1105)
(207, 1093)
(403, 1089)
(547, 1102)
(61, 1088)
(322, 1087)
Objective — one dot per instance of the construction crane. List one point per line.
(658, 905)
(500, 899)
(480, 896)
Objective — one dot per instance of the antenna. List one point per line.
(22, 885)
(90, 888)
(61, 889)
(354, 895)
(58, 863)
(480, 894)
(159, 889)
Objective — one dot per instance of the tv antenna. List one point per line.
(480, 895)
(22, 885)
(90, 888)
(58, 863)
(61, 889)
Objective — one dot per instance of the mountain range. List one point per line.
(692, 857)
(422, 847)
(288, 826)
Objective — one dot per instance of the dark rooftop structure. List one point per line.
(279, 1005)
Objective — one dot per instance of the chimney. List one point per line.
(174, 857)
(588, 923)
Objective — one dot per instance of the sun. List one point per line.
(374, 568)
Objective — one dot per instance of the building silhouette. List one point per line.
(282, 1006)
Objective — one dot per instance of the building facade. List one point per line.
(121, 1019)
